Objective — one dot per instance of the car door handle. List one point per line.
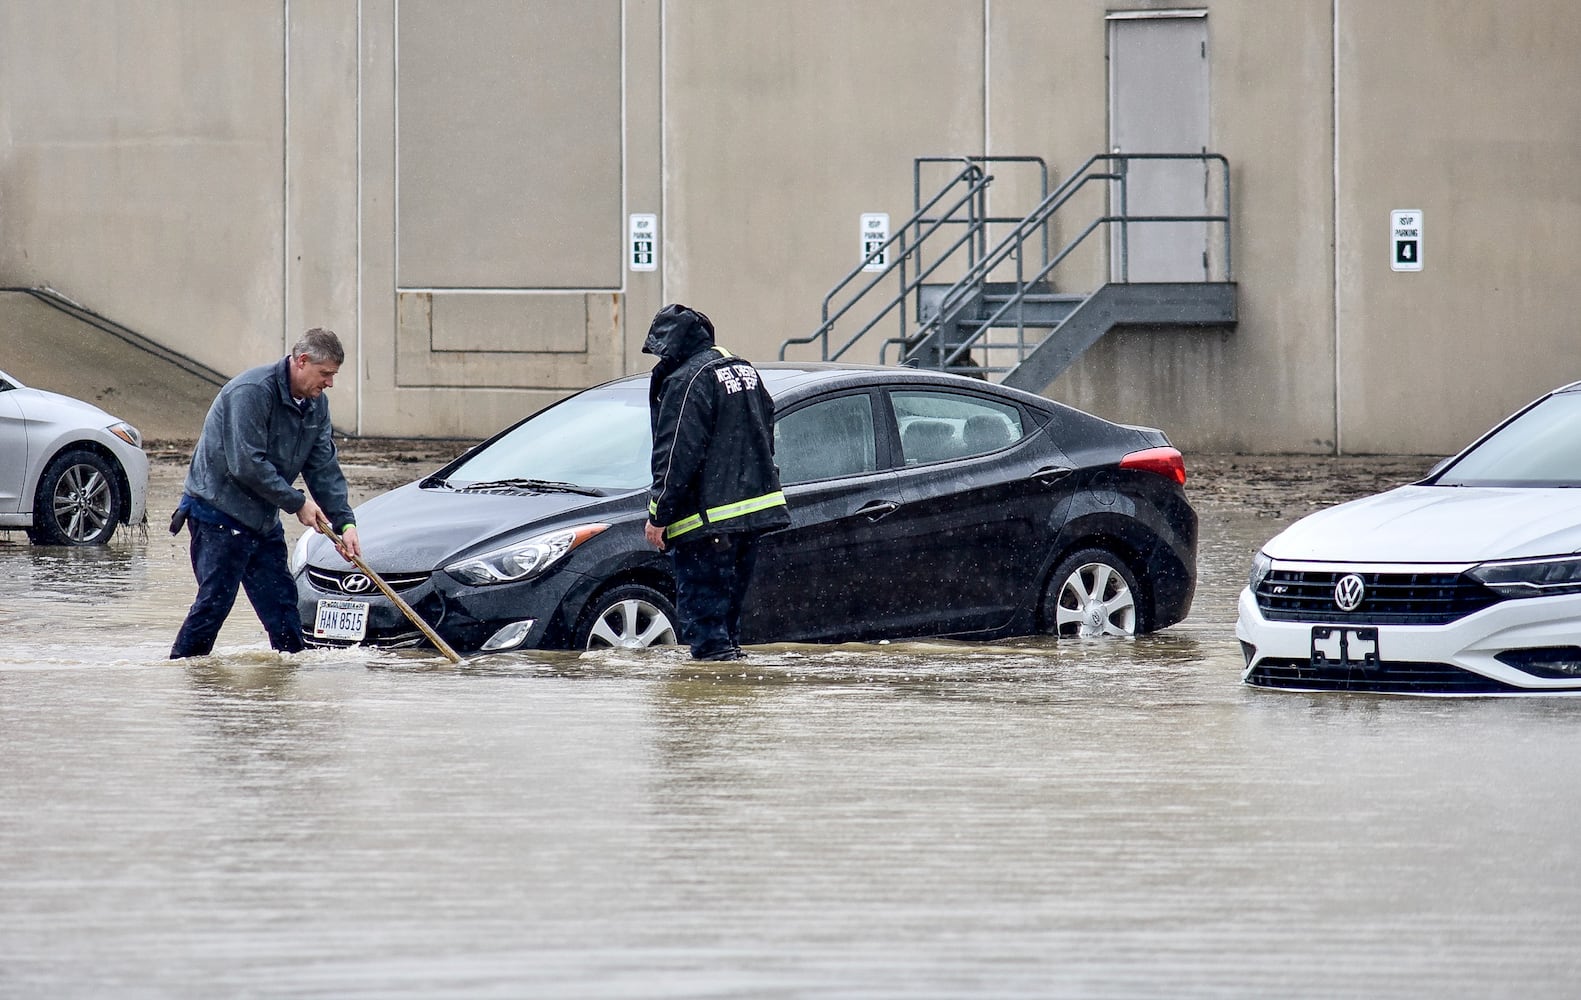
(1051, 474)
(878, 509)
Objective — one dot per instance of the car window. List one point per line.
(1541, 447)
(936, 426)
(599, 439)
(829, 438)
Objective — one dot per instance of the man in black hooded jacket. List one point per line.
(715, 485)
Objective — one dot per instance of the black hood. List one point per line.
(678, 332)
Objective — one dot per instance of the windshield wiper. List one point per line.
(530, 485)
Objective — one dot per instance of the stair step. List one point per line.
(1035, 296)
(1031, 322)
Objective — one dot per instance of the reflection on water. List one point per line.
(52, 590)
(1033, 818)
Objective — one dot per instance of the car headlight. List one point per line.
(1530, 577)
(126, 432)
(1261, 564)
(523, 559)
(299, 553)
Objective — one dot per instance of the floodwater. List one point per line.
(1104, 819)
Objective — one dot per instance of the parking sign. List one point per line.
(643, 254)
(1405, 239)
(875, 233)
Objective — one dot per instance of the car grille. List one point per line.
(329, 581)
(1390, 598)
(1389, 677)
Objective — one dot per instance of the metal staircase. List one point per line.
(959, 304)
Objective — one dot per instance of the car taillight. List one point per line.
(1166, 462)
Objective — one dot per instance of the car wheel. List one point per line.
(78, 502)
(1091, 593)
(630, 616)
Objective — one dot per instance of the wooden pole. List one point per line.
(406, 609)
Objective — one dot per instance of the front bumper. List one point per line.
(134, 462)
(1458, 658)
(465, 617)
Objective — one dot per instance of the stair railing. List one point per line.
(913, 240)
(977, 247)
(1013, 245)
(971, 182)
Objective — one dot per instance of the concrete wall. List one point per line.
(490, 204)
(1471, 113)
(783, 124)
(448, 187)
(140, 166)
(1267, 386)
(447, 193)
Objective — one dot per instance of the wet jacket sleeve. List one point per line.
(681, 433)
(325, 480)
(246, 442)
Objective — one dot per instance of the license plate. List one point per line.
(341, 620)
(1333, 646)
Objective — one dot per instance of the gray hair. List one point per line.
(321, 347)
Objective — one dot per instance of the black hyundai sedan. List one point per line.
(922, 505)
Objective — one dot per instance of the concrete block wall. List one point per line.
(448, 186)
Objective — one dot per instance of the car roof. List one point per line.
(784, 377)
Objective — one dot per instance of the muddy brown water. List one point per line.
(1030, 819)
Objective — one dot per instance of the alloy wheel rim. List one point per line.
(1095, 601)
(82, 502)
(631, 624)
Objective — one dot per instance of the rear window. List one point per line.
(938, 426)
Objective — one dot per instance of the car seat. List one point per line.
(928, 441)
(985, 432)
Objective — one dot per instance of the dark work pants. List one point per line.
(222, 561)
(711, 577)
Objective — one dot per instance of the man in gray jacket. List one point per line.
(267, 426)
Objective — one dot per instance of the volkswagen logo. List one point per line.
(1348, 592)
(357, 583)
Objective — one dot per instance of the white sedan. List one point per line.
(70, 473)
(1466, 583)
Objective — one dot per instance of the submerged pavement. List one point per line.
(1029, 819)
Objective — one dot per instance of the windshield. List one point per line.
(597, 439)
(1541, 447)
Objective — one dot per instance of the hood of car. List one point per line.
(1437, 524)
(43, 405)
(413, 530)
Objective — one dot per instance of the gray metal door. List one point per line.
(1158, 103)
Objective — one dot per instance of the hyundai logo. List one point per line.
(355, 583)
(1349, 591)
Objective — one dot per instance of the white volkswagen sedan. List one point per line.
(70, 473)
(1466, 583)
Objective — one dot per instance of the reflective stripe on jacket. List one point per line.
(724, 512)
(713, 448)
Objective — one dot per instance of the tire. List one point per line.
(78, 502)
(1092, 593)
(630, 616)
